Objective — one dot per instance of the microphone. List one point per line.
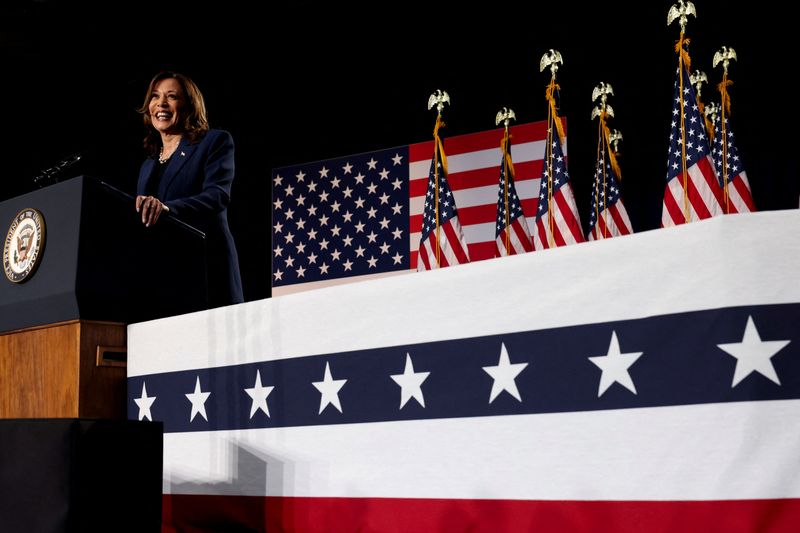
(49, 175)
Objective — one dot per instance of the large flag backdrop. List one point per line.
(448, 401)
(361, 215)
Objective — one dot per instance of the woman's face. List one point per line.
(166, 103)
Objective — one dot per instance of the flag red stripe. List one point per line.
(673, 209)
(480, 141)
(454, 241)
(436, 250)
(569, 214)
(522, 236)
(622, 224)
(600, 229)
(418, 187)
(478, 214)
(201, 513)
(697, 201)
(518, 241)
(479, 177)
(744, 192)
(541, 230)
(706, 166)
(481, 250)
(421, 257)
(487, 177)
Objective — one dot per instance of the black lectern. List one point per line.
(100, 263)
(63, 326)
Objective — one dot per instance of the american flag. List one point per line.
(737, 195)
(614, 413)
(336, 198)
(608, 217)
(557, 220)
(700, 197)
(442, 240)
(512, 235)
(340, 218)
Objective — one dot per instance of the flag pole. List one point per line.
(680, 13)
(551, 58)
(602, 111)
(724, 55)
(506, 115)
(438, 98)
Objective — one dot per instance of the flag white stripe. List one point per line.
(489, 158)
(514, 241)
(478, 196)
(606, 218)
(675, 189)
(700, 183)
(735, 197)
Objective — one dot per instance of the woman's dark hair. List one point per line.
(193, 118)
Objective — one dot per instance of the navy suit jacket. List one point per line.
(196, 186)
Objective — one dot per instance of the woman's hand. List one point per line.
(150, 207)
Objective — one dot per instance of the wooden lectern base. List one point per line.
(72, 369)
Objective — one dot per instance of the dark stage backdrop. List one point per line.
(304, 82)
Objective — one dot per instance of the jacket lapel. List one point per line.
(176, 163)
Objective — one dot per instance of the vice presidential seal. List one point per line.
(24, 245)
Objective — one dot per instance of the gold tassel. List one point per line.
(551, 99)
(611, 155)
(683, 52)
(438, 142)
(723, 91)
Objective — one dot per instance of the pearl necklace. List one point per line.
(161, 158)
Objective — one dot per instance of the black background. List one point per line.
(302, 82)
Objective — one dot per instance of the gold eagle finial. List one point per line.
(680, 11)
(602, 91)
(551, 58)
(725, 55)
(438, 99)
(505, 115)
(697, 80)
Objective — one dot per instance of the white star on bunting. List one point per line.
(145, 402)
(410, 383)
(259, 395)
(615, 367)
(329, 388)
(198, 399)
(504, 375)
(753, 354)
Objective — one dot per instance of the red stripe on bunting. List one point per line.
(195, 514)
